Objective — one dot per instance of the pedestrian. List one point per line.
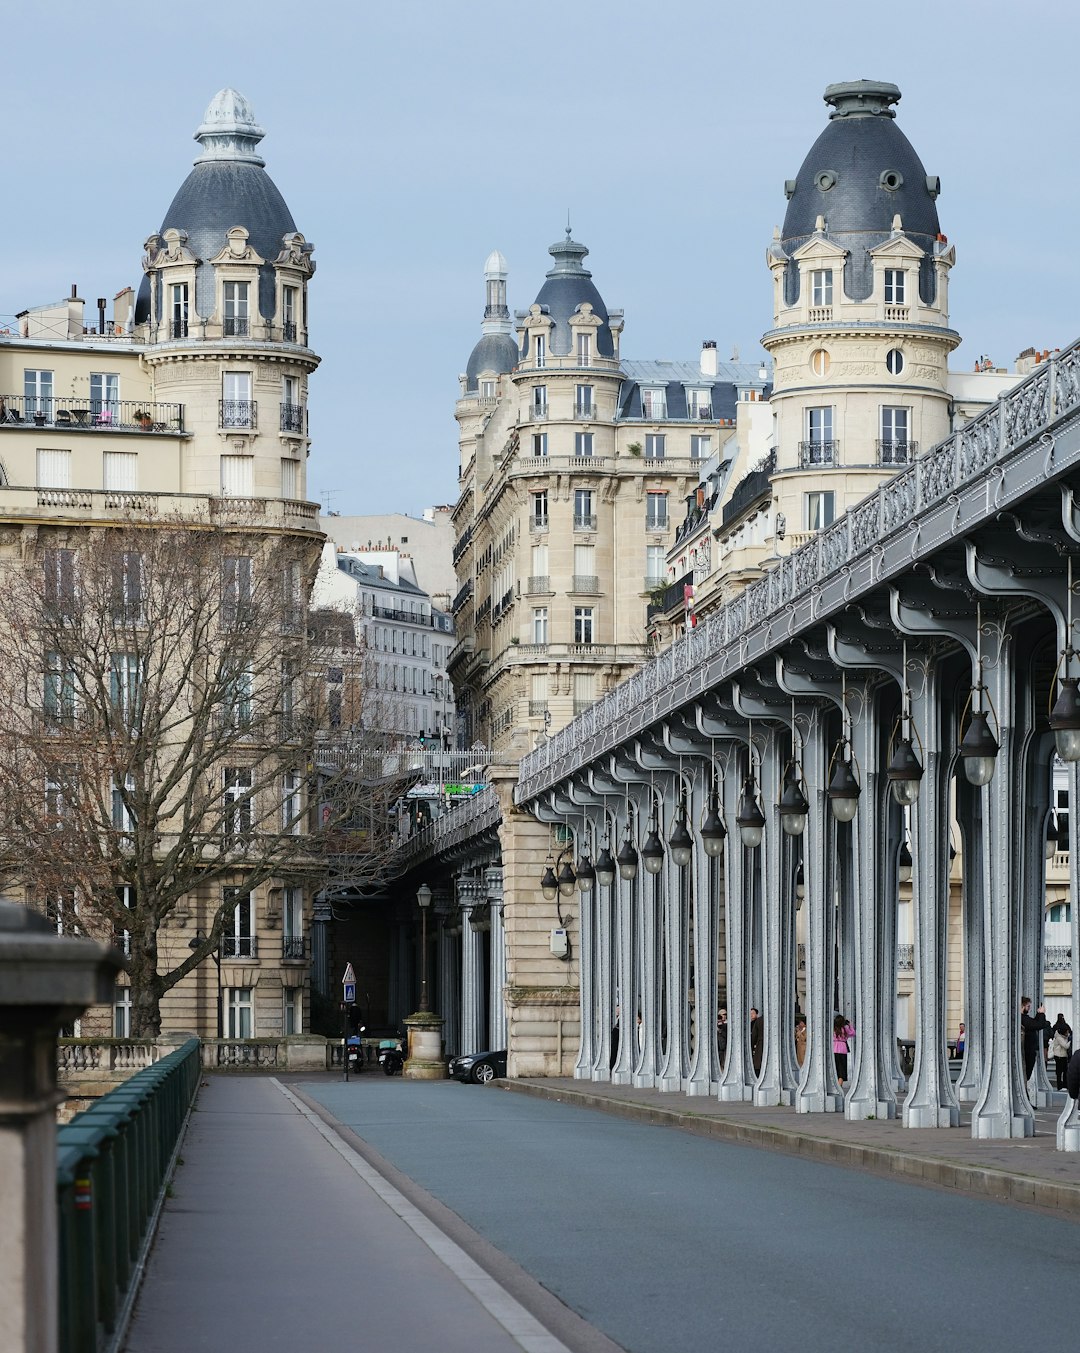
(842, 1031)
(757, 1039)
(1032, 1027)
(800, 1039)
(961, 1040)
(721, 1035)
(1072, 1076)
(614, 1042)
(1060, 1043)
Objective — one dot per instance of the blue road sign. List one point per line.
(350, 993)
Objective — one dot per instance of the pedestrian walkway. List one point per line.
(1021, 1169)
(279, 1236)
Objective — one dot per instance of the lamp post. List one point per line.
(423, 897)
(196, 943)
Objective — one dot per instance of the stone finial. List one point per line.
(229, 130)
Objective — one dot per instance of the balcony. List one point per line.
(587, 583)
(753, 486)
(819, 314)
(580, 706)
(462, 597)
(537, 709)
(462, 543)
(584, 412)
(239, 946)
(819, 453)
(236, 326)
(896, 314)
(90, 415)
(237, 413)
(538, 413)
(288, 331)
(538, 523)
(654, 522)
(584, 521)
(893, 451)
(293, 947)
(539, 585)
(292, 418)
(178, 328)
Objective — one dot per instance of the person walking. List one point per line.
(842, 1031)
(757, 1039)
(1072, 1076)
(800, 1039)
(961, 1040)
(721, 1036)
(1032, 1027)
(1060, 1041)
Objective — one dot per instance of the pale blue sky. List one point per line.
(409, 139)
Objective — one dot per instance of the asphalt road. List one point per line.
(671, 1243)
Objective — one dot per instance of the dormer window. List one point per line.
(895, 290)
(821, 287)
(487, 389)
(289, 311)
(584, 349)
(540, 349)
(178, 323)
(654, 403)
(699, 403)
(235, 295)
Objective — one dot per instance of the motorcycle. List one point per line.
(354, 1052)
(391, 1057)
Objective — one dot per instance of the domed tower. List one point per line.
(223, 308)
(861, 334)
(496, 353)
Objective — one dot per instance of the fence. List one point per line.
(113, 1165)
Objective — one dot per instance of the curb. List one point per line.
(978, 1181)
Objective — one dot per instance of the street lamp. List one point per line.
(549, 884)
(605, 868)
(905, 861)
(627, 857)
(652, 848)
(1065, 720)
(844, 788)
(423, 898)
(904, 773)
(793, 807)
(978, 750)
(196, 943)
(586, 873)
(750, 820)
(713, 830)
(680, 842)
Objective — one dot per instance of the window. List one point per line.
(655, 442)
(235, 589)
(293, 1007)
(583, 401)
(820, 362)
(62, 911)
(121, 472)
(238, 1021)
(126, 587)
(583, 443)
(59, 694)
(1061, 911)
(540, 625)
(122, 1013)
(656, 518)
(540, 349)
(237, 409)
(293, 923)
(59, 789)
(819, 511)
(54, 469)
(236, 711)
(654, 403)
(821, 287)
(290, 479)
(235, 295)
(539, 444)
(539, 401)
(125, 897)
(178, 301)
(583, 509)
(291, 803)
(700, 446)
(288, 314)
(292, 411)
(122, 818)
(237, 809)
(125, 687)
(540, 508)
(238, 940)
(538, 693)
(655, 565)
(38, 390)
(104, 396)
(819, 448)
(894, 361)
(1062, 797)
(699, 403)
(584, 691)
(539, 578)
(487, 389)
(583, 624)
(584, 349)
(895, 443)
(59, 566)
(895, 290)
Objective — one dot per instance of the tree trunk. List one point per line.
(147, 988)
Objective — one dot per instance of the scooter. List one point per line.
(354, 1052)
(391, 1057)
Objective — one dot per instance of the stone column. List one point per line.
(320, 952)
(473, 1034)
(496, 999)
(45, 982)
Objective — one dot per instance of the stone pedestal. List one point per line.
(305, 1052)
(45, 981)
(424, 1059)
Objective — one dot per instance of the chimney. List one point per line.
(708, 357)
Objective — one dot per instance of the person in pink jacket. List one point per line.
(842, 1031)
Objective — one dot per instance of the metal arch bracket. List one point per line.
(1050, 442)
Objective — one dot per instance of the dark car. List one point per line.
(480, 1067)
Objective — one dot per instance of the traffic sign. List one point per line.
(350, 976)
(350, 993)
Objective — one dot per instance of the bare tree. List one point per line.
(173, 725)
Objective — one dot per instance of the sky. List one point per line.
(411, 138)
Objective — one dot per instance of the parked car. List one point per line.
(480, 1067)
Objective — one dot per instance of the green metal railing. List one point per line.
(112, 1168)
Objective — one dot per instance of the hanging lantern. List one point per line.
(586, 874)
(1065, 720)
(680, 842)
(567, 881)
(904, 773)
(628, 857)
(750, 820)
(652, 849)
(605, 868)
(549, 884)
(905, 861)
(793, 806)
(713, 830)
(978, 750)
(843, 791)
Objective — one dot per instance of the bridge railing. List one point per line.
(113, 1164)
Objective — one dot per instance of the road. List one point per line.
(669, 1242)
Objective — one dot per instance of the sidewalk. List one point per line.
(1026, 1170)
(278, 1236)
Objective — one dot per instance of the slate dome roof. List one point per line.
(227, 187)
(860, 173)
(568, 284)
(494, 352)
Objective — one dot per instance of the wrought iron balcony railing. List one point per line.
(292, 418)
(538, 523)
(236, 327)
(538, 584)
(584, 521)
(239, 946)
(293, 946)
(819, 453)
(90, 415)
(896, 451)
(237, 413)
(288, 331)
(178, 328)
(537, 709)
(588, 583)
